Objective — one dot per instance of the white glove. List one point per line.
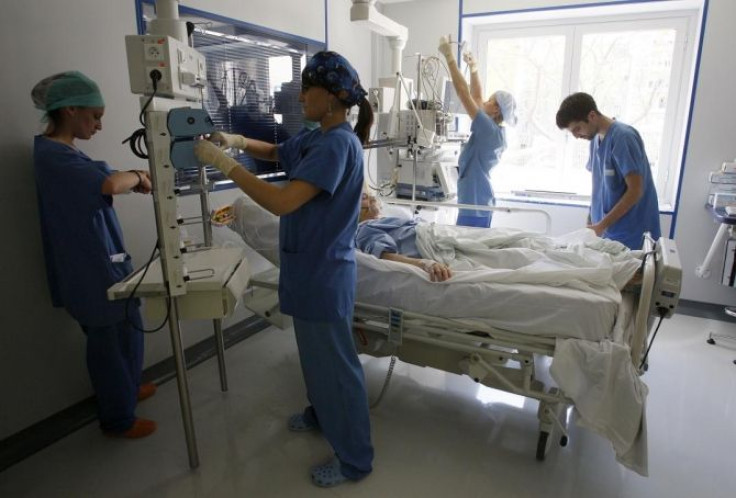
(228, 140)
(446, 49)
(209, 153)
(470, 61)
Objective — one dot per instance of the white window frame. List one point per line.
(575, 23)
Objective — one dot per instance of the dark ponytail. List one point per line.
(365, 121)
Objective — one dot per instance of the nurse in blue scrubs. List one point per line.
(319, 213)
(83, 246)
(624, 201)
(487, 139)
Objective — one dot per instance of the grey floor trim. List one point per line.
(704, 310)
(25, 443)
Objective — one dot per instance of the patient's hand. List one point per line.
(437, 271)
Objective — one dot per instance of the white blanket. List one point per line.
(608, 394)
(579, 259)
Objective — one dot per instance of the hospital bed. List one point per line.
(504, 336)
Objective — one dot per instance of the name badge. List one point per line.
(118, 258)
(610, 172)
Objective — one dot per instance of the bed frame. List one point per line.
(497, 358)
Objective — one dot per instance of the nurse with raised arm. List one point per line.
(487, 139)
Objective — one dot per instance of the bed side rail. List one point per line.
(660, 291)
(447, 205)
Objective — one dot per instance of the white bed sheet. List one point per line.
(528, 308)
(525, 308)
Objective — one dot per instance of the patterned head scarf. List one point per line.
(68, 89)
(332, 71)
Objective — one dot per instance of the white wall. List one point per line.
(711, 138)
(351, 40)
(304, 18)
(42, 366)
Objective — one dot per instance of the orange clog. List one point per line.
(146, 391)
(141, 428)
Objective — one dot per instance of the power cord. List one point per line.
(137, 140)
(131, 297)
(662, 313)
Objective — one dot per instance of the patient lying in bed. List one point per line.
(579, 259)
(444, 254)
(394, 239)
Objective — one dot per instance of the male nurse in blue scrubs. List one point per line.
(624, 201)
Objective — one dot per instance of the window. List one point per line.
(253, 81)
(637, 67)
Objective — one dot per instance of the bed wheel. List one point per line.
(563, 441)
(542, 445)
(711, 341)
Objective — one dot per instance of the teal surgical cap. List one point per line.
(68, 89)
(507, 103)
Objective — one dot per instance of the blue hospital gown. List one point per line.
(392, 235)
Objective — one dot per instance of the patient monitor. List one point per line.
(668, 278)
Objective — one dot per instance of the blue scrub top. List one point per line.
(482, 152)
(80, 233)
(620, 153)
(393, 235)
(317, 241)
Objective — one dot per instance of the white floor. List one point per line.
(436, 435)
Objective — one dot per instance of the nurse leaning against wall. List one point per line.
(83, 246)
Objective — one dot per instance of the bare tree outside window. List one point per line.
(637, 70)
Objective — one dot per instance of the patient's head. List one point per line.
(370, 207)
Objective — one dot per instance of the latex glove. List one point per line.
(209, 153)
(446, 49)
(470, 61)
(228, 140)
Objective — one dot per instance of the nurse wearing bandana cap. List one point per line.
(319, 209)
(487, 140)
(83, 246)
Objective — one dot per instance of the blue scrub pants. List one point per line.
(336, 391)
(481, 221)
(114, 362)
(475, 221)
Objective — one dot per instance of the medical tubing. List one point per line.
(131, 296)
(386, 382)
